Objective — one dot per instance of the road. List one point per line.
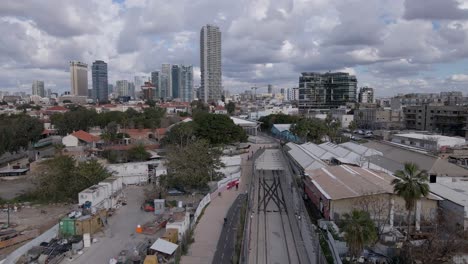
(274, 235)
(227, 241)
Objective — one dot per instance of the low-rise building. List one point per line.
(455, 203)
(283, 132)
(378, 118)
(336, 190)
(80, 138)
(432, 143)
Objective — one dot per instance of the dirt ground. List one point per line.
(40, 217)
(10, 189)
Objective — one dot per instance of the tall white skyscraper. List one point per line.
(79, 78)
(38, 88)
(166, 80)
(122, 88)
(211, 88)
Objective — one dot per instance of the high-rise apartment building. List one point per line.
(166, 80)
(327, 90)
(122, 88)
(139, 81)
(79, 78)
(156, 81)
(293, 94)
(211, 88)
(186, 91)
(100, 81)
(270, 89)
(148, 91)
(176, 79)
(38, 88)
(366, 95)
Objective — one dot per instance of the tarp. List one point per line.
(164, 246)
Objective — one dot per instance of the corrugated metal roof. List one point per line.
(164, 246)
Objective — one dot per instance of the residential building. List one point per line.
(148, 91)
(327, 90)
(444, 98)
(176, 81)
(378, 118)
(38, 88)
(366, 95)
(156, 81)
(80, 138)
(211, 87)
(446, 120)
(110, 88)
(79, 78)
(100, 81)
(122, 88)
(166, 80)
(186, 91)
(293, 94)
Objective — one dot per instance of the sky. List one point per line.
(395, 46)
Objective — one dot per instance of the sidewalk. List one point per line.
(208, 230)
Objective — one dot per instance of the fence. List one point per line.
(203, 203)
(46, 236)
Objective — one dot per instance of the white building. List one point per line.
(38, 88)
(428, 142)
(166, 80)
(181, 222)
(79, 78)
(293, 94)
(211, 87)
(136, 172)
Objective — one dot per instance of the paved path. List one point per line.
(208, 230)
(227, 241)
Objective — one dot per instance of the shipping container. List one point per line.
(151, 259)
(90, 223)
(95, 194)
(67, 227)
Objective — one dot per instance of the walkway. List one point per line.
(208, 230)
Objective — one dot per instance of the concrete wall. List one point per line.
(70, 141)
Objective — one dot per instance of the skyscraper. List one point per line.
(79, 78)
(38, 88)
(100, 82)
(186, 91)
(176, 81)
(328, 90)
(139, 81)
(122, 88)
(210, 64)
(166, 80)
(156, 81)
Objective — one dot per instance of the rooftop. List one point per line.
(452, 192)
(243, 122)
(164, 246)
(85, 136)
(441, 140)
(282, 127)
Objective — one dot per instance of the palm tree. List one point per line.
(359, 231)
(411, 185)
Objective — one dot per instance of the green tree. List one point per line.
(218, 129)
(411, 185)
(151, 103)
(61, 178)
(310, 129)
(181, 134)
(359, 231)
(18, 131)
(231, 107)
(138, 153)
(192, 166)
(352, 125)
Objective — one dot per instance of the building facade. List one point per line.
(446, 120)
(366, 95)
(79, 78)
(186, 91)
(156, 81)
(327, 90)
(378, 118)
(166, 80)
(176, 81)
(100, 81)
(122, 88)
(211, 88)
(38, 88)
(148, 91)
(293, 94)
(139, 81)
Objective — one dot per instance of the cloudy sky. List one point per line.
(392, 45)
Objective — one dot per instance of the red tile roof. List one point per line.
(57, 108)
(85, 136)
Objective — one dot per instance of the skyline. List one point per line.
(392, 46)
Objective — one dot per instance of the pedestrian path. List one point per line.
(208, 230)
